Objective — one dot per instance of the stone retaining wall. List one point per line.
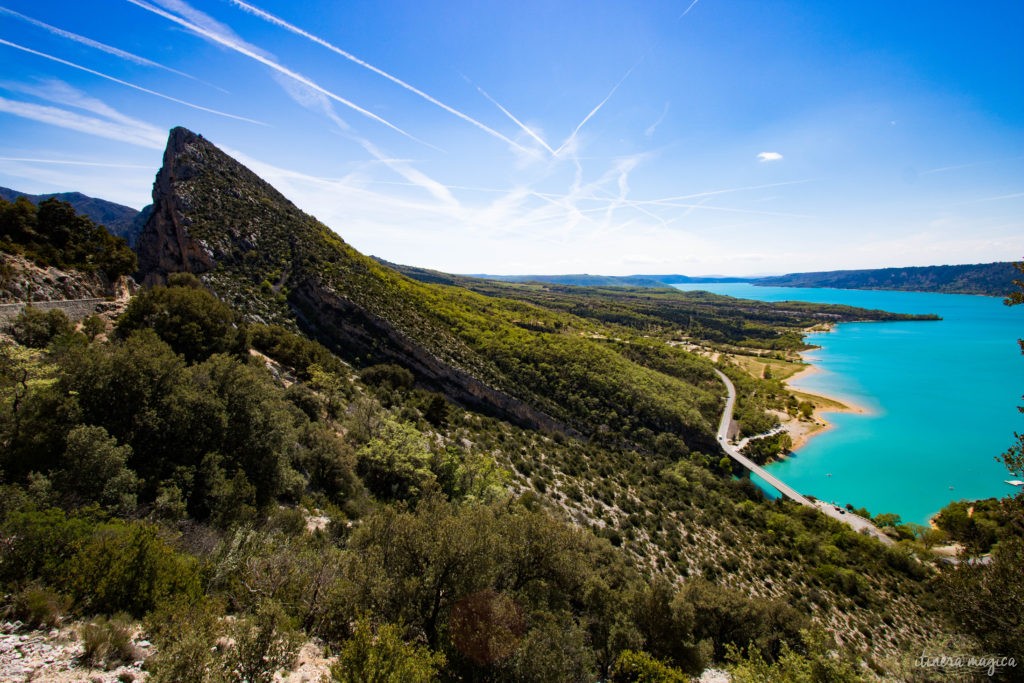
(75, 310)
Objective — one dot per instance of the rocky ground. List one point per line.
(22, 280)
(55, 656)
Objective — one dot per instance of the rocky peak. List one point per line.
(166, 244)
(215, 218)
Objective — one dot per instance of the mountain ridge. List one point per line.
(308, 276)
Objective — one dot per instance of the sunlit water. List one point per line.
(942, 400)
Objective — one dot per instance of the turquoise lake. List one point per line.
(942, 400)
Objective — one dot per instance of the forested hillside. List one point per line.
(991, 279)
(281, 441)
(53, 233)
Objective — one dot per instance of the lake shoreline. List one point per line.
(801, 431)
(941, 400)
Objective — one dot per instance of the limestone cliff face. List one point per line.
(165, 245)
(215, 218)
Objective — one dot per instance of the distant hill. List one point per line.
(586, 280)
(687, 279)
(991, 279)
(121, 221)
(582, 280)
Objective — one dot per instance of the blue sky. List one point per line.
(707, 137)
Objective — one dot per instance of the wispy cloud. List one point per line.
(996, 198)
(56, 91)
(769, 156)
(437, 189)
(135, 133)
(316, 101)
(277, 21)
(228, 40)
(730, 190)
(127, 84)
(957, 167)
(89, 42)
(649, 131)
(73, 162)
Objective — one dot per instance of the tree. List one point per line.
(94, 468)
(985, 599)
(396, 462)
(54, 234)
(191, 320)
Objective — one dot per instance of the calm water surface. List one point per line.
(941, 397)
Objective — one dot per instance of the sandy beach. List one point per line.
(801, 431)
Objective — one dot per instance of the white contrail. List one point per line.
(277, 21)
(248, 52)
(526, 129)
(596, 109)
(127, 84)
(102, 47)
(687, 10)
(729, 190)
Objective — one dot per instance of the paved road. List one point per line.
(858, 523)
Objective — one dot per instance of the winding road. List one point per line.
(857, 522)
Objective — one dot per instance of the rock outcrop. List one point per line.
(165, 244)
(22, 281)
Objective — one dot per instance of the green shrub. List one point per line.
(184, 632)
(640, 667)
(39, 607)
(36, 328)
(127, 567)
(107, 642)
(264, 644)
(388, 376)
(382, 656)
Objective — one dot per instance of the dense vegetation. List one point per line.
(168, 475)
(53, 234)
(991, 279)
